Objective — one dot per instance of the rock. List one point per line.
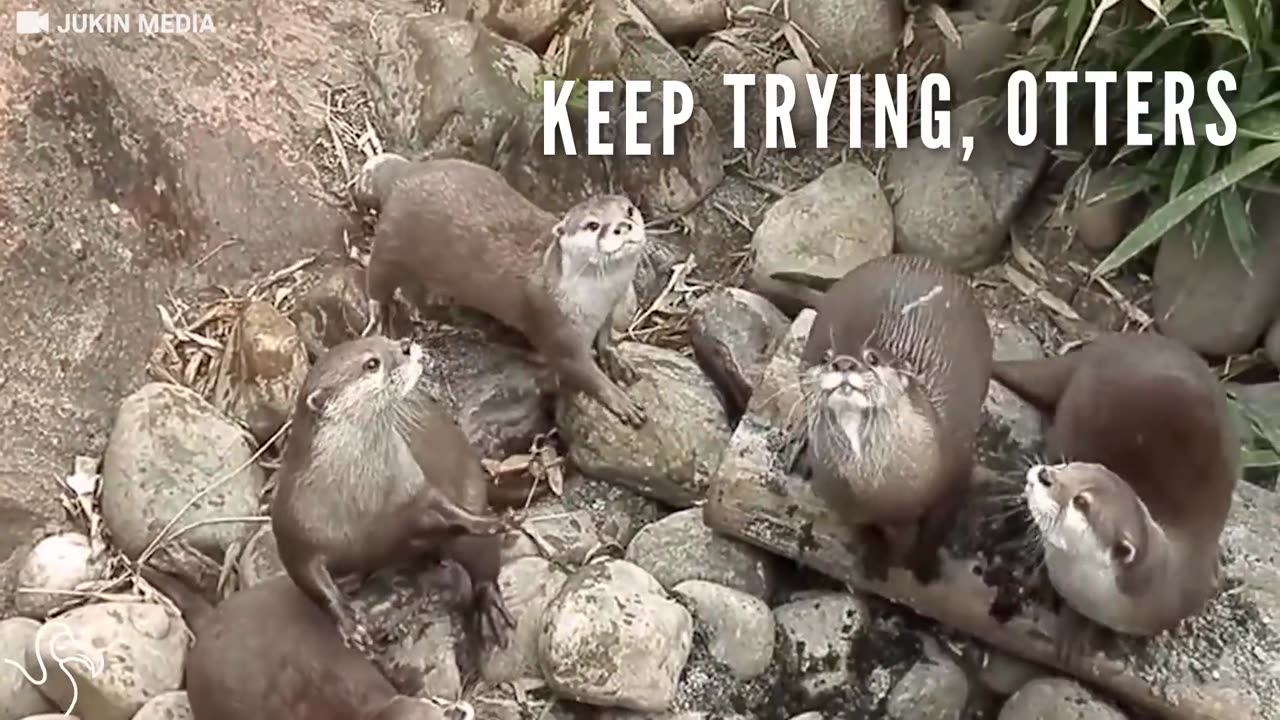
(528, 23)
(736, 50)
(733, 334)
(1013, 428)
(850, 33)
(528, 585)
(333, 311)
(931, 690)
(816, 639)
(970, 65)
(1272, 342)
(826, 228)
(58, 563)
(568, 534)
(169, 706)
(682, 18)
(167, 445)
(136, 650)
(1208, 300)
(452, 87)
(613, 37)
(1001, 11)
(1005, 674)
(672, 184)
(681, 547)
(18, 696)
(670, 457)
(260, 559)
(1100, 223)
(738, 626)
(496, 395)
(804, 118)
(554, 182)
(955, 211)
(613, 637)
(268, 369)
(619, 512)
(1057, 699)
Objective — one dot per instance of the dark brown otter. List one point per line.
(374, 476)
(269, 653)
(895, 372)
(1130, 522)
(458, 229)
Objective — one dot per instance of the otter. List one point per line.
(1130, 520)
(269, 653)
(359, 490)
(894, 374)
(457, 228)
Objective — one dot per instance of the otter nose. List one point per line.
(843, 363)
(1042, 476)
(622, 228)
(406, 346)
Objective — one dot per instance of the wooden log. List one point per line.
(1223, 664)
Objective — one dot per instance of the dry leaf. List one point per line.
(1031, 289)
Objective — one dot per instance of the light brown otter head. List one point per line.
(1090, 515)
(878, 408)
(361, 381)
(606, 230)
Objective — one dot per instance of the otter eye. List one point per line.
(828, 355)
(1081, 502)
(592, 226)
(1122, 552)
(871, 357)
(372, 364)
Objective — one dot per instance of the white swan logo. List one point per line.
(64, 633)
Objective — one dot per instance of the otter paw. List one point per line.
(629, 411)
(619, 369)
(356, 636)
(493, 619)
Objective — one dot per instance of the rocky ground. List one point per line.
(178, 239)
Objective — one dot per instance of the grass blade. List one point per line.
(1102, 8)
(1172, 213)
(1182, 170)
(1239, 231)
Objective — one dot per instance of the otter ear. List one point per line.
(558, 230)
(1123, 552)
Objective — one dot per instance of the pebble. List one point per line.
(850, 33)
(733, 333)
(739, 627)
(931, 690)
(18, 697)
(58, 563)
(1057, 699)
(169, 706)
(681, 547)
(268, 369)
(816, 639)
(528, 585)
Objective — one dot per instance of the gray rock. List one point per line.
(969, 65)
(826, 228)
(804, 118)
(1101, 223)
(1207, 299)
(1272, 342)
(955, 211)
(613, 37)
(169, 706)
(1005, 674)
(267, 370)
(931, 690)
(733, 333)
(672, 184)
(452, 87)
(685, 17)
(569, 535)
(613, 637)
(528, 23)
(739, 627)
(136, 651)
(18, 696)
(57, 563)
(1013, 426)
(333, 311)
(528, 586)
(850, 33)
(260, 559)
(554, 182)
(1057, 699)
(681, 547)
(167, 445)
(671, 456)
(735, 50)
(619, 512)
(1001, 11)
(816, 639)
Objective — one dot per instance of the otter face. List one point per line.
(362, 376)
(856, 384)
(601, 230)
(1088, 512)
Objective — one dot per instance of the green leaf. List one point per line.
(1186, 161)
(1094, 21)
(1239, 232)
(1075, 15)
(1241, 19)
(1261, 125)
(1174, 212)
(1253, 458)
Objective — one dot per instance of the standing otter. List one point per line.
(895, 371)
(351, 495)
(1130, 522)
(269, 653)
(457, 228)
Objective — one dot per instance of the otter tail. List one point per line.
(1040, 382)
(804, 288)
(195, 609)
(376, 178)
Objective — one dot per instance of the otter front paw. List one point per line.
(626, 409)
(355, 635)
(493, 621)
(618, 368)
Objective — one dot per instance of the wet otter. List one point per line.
(895, 371)
(458, 229)
(359, 491)
(1130, 522)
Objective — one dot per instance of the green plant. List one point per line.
(1207, 186)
